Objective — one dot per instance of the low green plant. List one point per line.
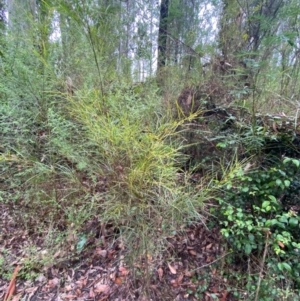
(253, 210)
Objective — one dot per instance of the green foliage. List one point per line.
(253, 208)
(129, 146)
(112, 152)
(112, 157)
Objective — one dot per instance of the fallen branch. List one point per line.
(12, 285)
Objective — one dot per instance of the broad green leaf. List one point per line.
(229, 186)
(272, 198)
(251, 237)
(265, 204)
(221, 145)
(286, 266)
(271, 222)
(293, 221)
(283, 219)
(81, 243)
(245, 189)
(248, 249)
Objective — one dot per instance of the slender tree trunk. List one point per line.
(162, 34)
(2, 15)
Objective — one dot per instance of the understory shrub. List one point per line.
(256, 213)
(114, 158)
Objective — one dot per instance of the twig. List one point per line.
(296, 119)
(210, 263)
(262, 266)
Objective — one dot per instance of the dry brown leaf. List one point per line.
(179, 279)
(281, 245)
(174, 283)
(68, 288)
(214, 289)
(70, 297)
(188, 273)
(54, 272)
(177, 282)
(59, 253)
(193, 252)
(53, 282)
(81, 282)
(30, 290)
(149, 257)
(92, 293)
(102, 253)
(101, 288)
(172, 269)
(110, 254)
(123, 271)
(160, 273)
(224, 297)
(112, 276)
(118, 281)
(208, 246)
(17, 297)
(209, 259)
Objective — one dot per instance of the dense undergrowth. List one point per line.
(122, 158)
(138, 158)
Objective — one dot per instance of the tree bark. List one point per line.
(162, 34)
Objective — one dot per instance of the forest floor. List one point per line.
(188, 269)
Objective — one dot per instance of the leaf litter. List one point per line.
(186, 270)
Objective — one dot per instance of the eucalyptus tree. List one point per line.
(90, 36)
(126, 15)
(187, 33)
(3, 22)
(162, 34)
(286, 54)
(144, 38)
(2, 15)
(244, 24)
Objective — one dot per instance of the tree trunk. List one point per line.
(162, 35)
(2, 16)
